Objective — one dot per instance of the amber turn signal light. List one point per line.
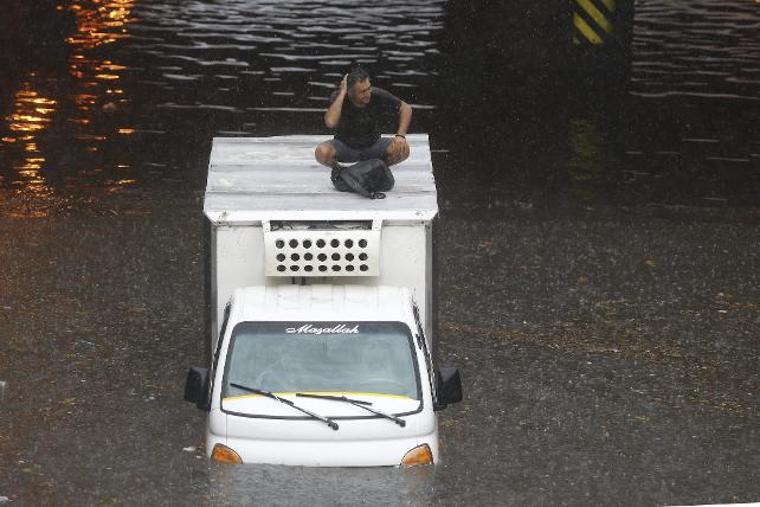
(420, 455)
(223, 454)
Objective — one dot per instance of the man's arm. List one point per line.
(404, 118)
(332, 115)
(399, 148)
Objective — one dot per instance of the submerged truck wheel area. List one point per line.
(322, 311)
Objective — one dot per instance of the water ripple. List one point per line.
(716, 43)
(145, 84)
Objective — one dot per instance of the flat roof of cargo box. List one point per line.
(251, 179)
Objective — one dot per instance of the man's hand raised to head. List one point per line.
(332, 115)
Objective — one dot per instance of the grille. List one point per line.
(315, 252)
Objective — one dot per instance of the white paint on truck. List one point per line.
(316, 293)
(253, 182)
(262, 430)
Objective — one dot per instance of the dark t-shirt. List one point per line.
(359, 127)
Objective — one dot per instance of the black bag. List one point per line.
(369, 178)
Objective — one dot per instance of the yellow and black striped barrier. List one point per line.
(596, 22)
(602, 38)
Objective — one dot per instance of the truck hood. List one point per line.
(286, 437)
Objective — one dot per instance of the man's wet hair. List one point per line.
(356, 75)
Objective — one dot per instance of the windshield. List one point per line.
(328, 357)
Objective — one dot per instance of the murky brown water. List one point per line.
(581, 343)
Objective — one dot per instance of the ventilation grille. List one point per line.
(322, 253)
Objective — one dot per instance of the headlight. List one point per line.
(223, 454)
(420, 455)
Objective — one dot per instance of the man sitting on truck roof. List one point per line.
(355, 111)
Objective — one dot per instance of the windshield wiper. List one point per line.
(357, 403)
(318, 417)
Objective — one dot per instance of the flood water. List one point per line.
(121, 111)
(131, 99)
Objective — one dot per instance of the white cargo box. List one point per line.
(276, 219)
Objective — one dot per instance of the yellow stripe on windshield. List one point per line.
(348, 394)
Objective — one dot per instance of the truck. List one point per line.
(322, 312)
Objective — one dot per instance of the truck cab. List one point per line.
(321, 309)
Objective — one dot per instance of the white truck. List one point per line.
(321, 310)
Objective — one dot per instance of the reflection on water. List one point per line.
(52, 138)
(100, 22)
(31, 115)
(586, 164)
(97, 90)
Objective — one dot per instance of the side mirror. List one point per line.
(196, 387)
(449, 387)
